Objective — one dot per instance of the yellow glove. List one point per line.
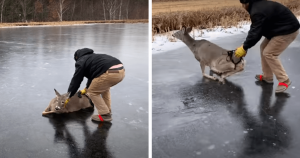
(66, 102)
(240, 52)
(83, 91)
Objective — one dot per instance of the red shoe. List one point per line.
(102, 118)
(261, 78)
(283, 86)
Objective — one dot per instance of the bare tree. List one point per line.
(120, 10)
(111, 6)
(59, 10)
(73, 9)
(2, 6)
(127, 9)
(26, 8)
(104, 9)
(62, 7)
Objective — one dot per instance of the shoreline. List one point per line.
(70, 23)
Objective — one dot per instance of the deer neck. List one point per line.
(190, 42)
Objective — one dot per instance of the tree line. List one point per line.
(71, 10)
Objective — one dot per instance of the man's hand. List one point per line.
(66, 102)
(83, 91)
(240, 52)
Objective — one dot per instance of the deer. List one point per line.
(76, 103)
(221, 62)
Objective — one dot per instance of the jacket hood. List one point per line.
(82, 52)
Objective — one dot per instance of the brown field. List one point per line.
(63, 23)
(205, 17)
(190, 5)
(163, 6)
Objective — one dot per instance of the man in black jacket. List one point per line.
(280, 27)
(103, 71)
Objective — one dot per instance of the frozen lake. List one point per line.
(197, 117)
(35, 60)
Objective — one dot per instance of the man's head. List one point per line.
(81, 52)
(245, 4)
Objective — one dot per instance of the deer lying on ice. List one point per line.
(56, 105)
(221, 61)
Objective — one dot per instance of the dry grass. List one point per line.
(190, 5)
(202, 19)
(208, 17)
(63, 23)
(165, 6)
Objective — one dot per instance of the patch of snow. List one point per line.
(211, 147)
(133, 122)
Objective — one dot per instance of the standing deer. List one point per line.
(220, 61)
(56, 105)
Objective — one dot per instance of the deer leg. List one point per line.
(202, 65)
(224, 75)
(48, 110)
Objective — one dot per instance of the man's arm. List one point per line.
(88, 83)
(76, 80)
(256, 30)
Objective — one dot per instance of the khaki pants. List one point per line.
(101, 86)
(270, 50)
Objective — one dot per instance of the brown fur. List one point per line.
(56, 105)
(211, 55)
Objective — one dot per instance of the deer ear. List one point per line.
(57, 94)
(188, 30)
(183, 28)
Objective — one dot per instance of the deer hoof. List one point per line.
(222, 80)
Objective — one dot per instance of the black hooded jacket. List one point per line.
(269, 19)
(89, 65)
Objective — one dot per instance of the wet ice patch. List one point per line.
(135, 121)
(198, 153)
(211, 147)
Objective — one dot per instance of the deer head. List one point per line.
(182, 33)
(60, 100)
